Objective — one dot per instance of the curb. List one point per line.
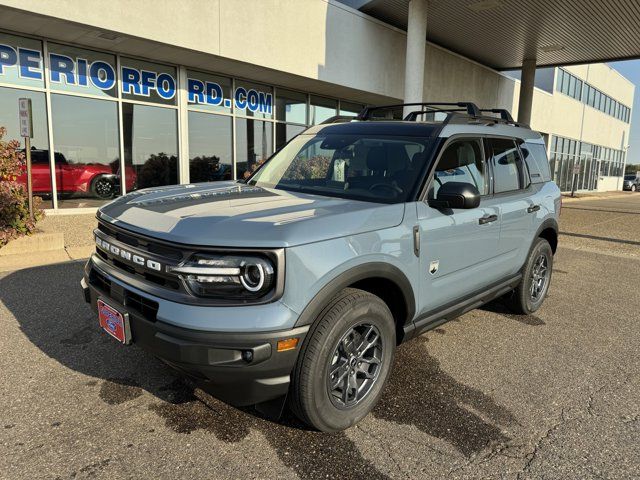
(38, 242)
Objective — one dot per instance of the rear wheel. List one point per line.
(345, 362)
(530, 294)
(103, 187)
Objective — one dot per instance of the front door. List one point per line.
(457, 246)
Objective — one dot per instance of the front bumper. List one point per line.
(240, 368)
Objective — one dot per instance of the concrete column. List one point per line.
(415, 57)
(527, 82)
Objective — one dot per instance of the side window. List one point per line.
(535, 156)
(507, 165)
(461, 161)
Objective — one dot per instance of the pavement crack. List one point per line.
(383, 445)
(531, 456)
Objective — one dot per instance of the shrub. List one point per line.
(14, 207)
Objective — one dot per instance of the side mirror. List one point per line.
(456, 195)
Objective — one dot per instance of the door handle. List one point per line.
(533, 208)
(487, 219)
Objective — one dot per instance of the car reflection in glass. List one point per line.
(96, 180)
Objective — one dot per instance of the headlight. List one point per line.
(238, 277)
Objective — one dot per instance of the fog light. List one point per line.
(288, 344)
(247, 355)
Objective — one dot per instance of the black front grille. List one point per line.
(99, 281)
(145, 307)
(132, 301)
(165, 254)
(142, 243)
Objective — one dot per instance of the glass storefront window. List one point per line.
(87, 156)
(321, 109)
(21, 61)
(210, 156)
(291, 107)
(148, 82)
(285, 132)
(82, 71)
(350, 109)
(209, 92)
(254, 144)
(150, 145)
(253, 100)
(40, 170)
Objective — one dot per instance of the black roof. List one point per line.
(380, 127)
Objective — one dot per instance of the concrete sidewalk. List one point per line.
(566, 197)
(59, 238)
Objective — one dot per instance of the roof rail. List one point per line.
(503, 112)
(470, 108)
(338, 119)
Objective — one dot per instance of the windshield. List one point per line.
(371, 168)
(629, 177)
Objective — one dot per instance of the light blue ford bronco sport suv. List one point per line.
(299, 283)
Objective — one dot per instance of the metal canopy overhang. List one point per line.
(503, 33)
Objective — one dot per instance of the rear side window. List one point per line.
(507, 165)
(461, 161)
(535, 156)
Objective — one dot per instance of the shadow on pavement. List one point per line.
(47, 303)
(605, 239)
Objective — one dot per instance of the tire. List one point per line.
(103, 187)
(331, 341)
(522, 300)
(633, 188)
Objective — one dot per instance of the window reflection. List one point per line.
(254, 144)
(209, 147)
(321, 109)
(291, 106)
(150, 144)
(40, 170)
(87, 157)
(285, 132)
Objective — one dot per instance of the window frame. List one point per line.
(424, 195)
(523, 172)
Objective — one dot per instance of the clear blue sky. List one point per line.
(631, 70)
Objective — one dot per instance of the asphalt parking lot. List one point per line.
(555, 395)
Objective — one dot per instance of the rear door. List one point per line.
(457, 246)
(513, 195)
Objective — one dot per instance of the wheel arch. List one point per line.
(381, 279)
(549, 231)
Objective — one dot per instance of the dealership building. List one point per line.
(128, 95)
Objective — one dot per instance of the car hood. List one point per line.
(229, 214)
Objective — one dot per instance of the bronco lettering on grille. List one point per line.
(127, 255)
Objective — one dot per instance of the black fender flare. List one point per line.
(353, 275)
(546, 224)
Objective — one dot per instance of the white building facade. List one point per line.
(143, 95)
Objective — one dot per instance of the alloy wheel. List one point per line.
(539, 277)
(103, 188)
(355, 365)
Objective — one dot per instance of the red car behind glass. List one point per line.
(78, 179)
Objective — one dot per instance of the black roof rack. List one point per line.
(470, 108)
(457, 112)
(338, 119)
(503, 112)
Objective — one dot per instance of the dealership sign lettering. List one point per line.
(136, 82)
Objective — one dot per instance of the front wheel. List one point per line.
(633, 188)
(103, 187)
(344, 363)
(530, 294)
